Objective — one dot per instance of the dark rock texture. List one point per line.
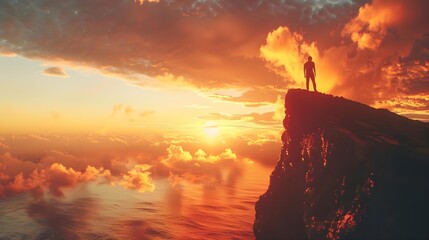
(346, 171)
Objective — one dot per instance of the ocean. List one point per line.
(222, 209)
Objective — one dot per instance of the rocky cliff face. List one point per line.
(346, 171)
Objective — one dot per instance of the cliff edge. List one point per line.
(346, 171)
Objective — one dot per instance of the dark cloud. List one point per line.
(411, 74)
(55, 71)
(208, 44)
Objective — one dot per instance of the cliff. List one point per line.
(346, 171)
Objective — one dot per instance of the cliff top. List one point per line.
(309, 110)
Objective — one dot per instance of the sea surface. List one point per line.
(221, 209)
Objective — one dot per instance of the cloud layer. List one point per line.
(204, 44)
(52, 164)
(371, 51)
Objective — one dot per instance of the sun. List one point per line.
(211, 129)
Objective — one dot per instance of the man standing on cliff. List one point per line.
(310, 72)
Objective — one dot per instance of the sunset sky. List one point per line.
(174, 82)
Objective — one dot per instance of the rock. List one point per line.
(346, 171)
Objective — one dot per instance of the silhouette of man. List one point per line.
(310, 72)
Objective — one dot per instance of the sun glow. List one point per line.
(211, 129)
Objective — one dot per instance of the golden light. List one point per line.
(211, 129)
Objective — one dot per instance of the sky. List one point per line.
(188, 83)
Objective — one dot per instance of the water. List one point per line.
(212, 210)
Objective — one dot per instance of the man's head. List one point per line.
(310, 58)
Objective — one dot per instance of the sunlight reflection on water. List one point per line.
(220, 210)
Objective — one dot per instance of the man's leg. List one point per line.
(314, 83)
(308, 79)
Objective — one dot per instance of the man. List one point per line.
(310, 72)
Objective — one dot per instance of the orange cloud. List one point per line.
(279, 113)
(138, 179)
(55, 178)
(198, 167)
(370, 27)
(142, 1)
(391, 35)
(388, 21)
(7, 54)
(43, 169)
(286, 52)
(255, 97)
(121, 112)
